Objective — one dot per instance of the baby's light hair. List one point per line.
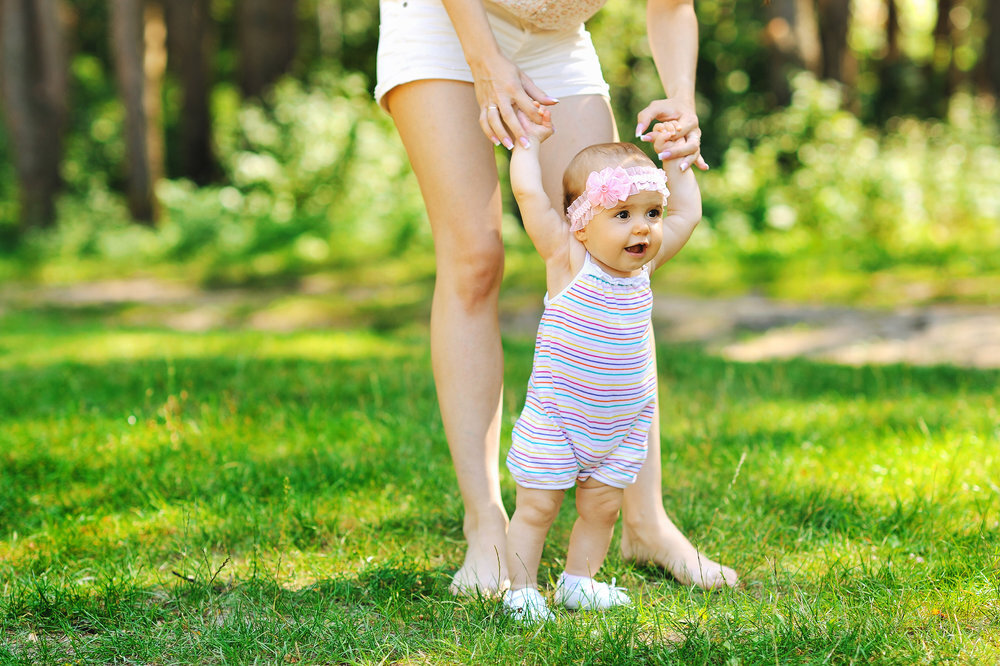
(594, 158)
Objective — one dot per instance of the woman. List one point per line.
(453, 74)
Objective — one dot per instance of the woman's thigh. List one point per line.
(454, 163)
(579, 121)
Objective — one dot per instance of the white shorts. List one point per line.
(417, 41)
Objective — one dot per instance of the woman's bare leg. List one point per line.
(648, 536)
(456, 168)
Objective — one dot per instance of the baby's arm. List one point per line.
(682, 214)
(546, 226)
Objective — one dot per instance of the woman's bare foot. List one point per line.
(484, 571)
(664, 545)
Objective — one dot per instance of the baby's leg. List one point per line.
(534, 513)
(598, 505)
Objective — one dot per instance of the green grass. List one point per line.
(242, 497)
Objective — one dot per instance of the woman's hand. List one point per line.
(503, 90)
(684, 143)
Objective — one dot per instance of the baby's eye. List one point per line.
(622, 214)
(655, 212)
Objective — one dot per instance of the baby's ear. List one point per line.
(581, 235)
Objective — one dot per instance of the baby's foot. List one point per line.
(527, 605)
(684, 562)
(581, 593)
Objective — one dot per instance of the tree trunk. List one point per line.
(834, 22)
(990, 63)
(267, 31)
(792, 37)
(138, 43)
(189, 48)
(892, 51)
(34, 91)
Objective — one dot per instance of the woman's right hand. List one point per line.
(502, 90)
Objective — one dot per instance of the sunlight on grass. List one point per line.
(230, 486)
(51, 348)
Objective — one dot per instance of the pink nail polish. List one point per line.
(507, 143)
(638, 130)
(525, 142)
(684, 166)
(664, 155)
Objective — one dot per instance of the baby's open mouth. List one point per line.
(638, 248)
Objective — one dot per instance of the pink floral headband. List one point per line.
(605, 188)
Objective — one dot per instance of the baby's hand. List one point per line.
(535, 131)
(663, 133)
(665, 137)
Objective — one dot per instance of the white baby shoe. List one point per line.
(527, 605)
(581, 593)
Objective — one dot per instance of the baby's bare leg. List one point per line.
(533, 515)
(598, 505)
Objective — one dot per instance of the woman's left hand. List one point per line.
(684, 144)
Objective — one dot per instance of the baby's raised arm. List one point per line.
(682, 214)
(546, 226)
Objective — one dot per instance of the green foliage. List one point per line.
(814, 171)
(314, 176)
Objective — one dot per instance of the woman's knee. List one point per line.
(472, 270)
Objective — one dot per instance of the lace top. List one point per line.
(551, 14)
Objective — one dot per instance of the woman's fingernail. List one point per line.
(553, 99)
(507, 143)
(496, 141)
(684, 166)
(664, 155)
(525, 142)
(638, 130)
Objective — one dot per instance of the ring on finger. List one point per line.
(491, 106)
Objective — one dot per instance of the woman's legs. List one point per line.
(648, 534)
(456, 168)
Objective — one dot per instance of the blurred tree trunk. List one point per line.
(891, 90)
(892, 32)
(792, 37)
(943, 62)
(34, 85)
(189, 49)
(990, 62)
(138, 36)
(267, 42)
(835, 22)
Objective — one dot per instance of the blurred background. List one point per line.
(235, 143)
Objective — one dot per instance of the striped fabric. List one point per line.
(592, 391)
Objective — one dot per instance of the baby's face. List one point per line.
(624, 238)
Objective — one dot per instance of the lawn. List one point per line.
(234, 496)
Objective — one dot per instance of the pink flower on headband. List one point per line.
(607, 187)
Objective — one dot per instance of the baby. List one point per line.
(592, 393)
